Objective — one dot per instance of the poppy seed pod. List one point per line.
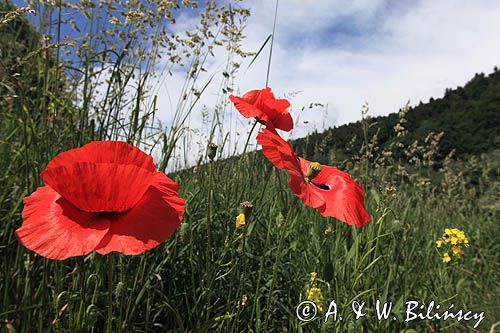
(313, 170)
(212, 151)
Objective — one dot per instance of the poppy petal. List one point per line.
(169, 189)
(343, 197)
(117, 152)
(277, 150)
(312, 199)
(248, 110)
(55, 229)
(149, 223)
(261, 105)
(253, 96)
(279, 105)
(284, 122)
(99, 187)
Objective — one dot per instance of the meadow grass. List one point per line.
(211, 276)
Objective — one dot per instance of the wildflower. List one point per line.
(243, 302)
(456, 250)
(261, 105)
(313, 292)
(453, 239)
(328, 231)
(105, 196)
(240, 221)
(331, 192)
(247, 208)
(315, 295)
(314, 277)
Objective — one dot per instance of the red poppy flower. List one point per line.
(261, 105)
(105, 196)
(327, 189)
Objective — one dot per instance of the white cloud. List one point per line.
(343, 52)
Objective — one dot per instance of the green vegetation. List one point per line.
(413, 192)
(468, 116)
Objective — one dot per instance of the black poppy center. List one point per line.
(321, 186)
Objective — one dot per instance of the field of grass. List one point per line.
(213, 277)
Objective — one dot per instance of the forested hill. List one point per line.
(469, 116)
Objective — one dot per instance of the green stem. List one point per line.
(110, 267)
(209, 216)
(249, 136)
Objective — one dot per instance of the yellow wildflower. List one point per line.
(328, 231)
(315, 295)
(452, 239)
(457, 251)
(314, 276)
(240, 221)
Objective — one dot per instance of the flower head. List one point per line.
(246, 208)
(261, 105)
(452, 240)
(314, 277)
(314, 293)
(240, 221)
(457, 251)
(331, 192)
(105, 196)
(243, 302)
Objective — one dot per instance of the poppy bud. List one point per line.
(246, 209)
(212, 151)
(243, 302)
(119, 292)
(314, 169)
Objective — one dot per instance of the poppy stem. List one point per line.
(209, 216)
(110, 263)
(249, 136)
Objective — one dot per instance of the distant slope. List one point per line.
(469, 116)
